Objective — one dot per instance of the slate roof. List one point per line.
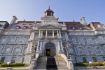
(76, 26)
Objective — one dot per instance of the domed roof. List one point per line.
(49, 12)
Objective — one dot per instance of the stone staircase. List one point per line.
(41, 63)
(51, 63)
(61, 64)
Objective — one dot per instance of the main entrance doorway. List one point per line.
(48, 52)
(50, 49)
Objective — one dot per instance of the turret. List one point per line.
(49, 17)
(13, 20)
(83, 21)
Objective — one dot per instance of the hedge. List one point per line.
(13, 65)
(90, 64)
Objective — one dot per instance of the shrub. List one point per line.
(13, 65)
(81, 64)
(96, 64)
(1, 62)
(91, 64)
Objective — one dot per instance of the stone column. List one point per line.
(46, 33)
(57, 34)
(39, 33)
(60, 34)
(58, 48)
(37, 49)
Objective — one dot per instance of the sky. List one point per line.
(65, 10)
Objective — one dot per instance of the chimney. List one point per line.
(83, 21)
(13, 20)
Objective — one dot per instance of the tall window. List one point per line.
(84, 59)
(13, 60)
(94, 59)
(44, 33)
(17, 51)
(104, 58)
(49, 33)
(55, 33)
(8, 50)
(2, 59)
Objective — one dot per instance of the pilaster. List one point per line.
(46, 33)
(53, 33)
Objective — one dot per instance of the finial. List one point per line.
(49, 7)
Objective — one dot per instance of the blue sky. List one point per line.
(66, 10)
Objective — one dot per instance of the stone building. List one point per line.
(24, 41)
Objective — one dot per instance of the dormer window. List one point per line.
(18, 27)
(25, 27)
(73, 28)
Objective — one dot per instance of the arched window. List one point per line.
(8, 50)
(94, 59)
(17, 51)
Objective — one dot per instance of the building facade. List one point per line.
(23, 41)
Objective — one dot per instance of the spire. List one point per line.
(13, 20)
(49, 12)
(49, 7)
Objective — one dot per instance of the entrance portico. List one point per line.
(49, 35)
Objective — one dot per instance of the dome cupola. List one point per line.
(49, 12)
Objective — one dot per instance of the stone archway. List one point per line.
(50, 49)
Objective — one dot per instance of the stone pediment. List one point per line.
(49, 27)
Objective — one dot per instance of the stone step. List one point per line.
(56, 62)
(51, 69)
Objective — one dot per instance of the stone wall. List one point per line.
(13, 44)
(88, 46)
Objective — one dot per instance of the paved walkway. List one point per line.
(51, 64)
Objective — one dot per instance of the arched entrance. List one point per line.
(50, 49)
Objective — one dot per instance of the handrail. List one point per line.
(68, 62)
(34, 62)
